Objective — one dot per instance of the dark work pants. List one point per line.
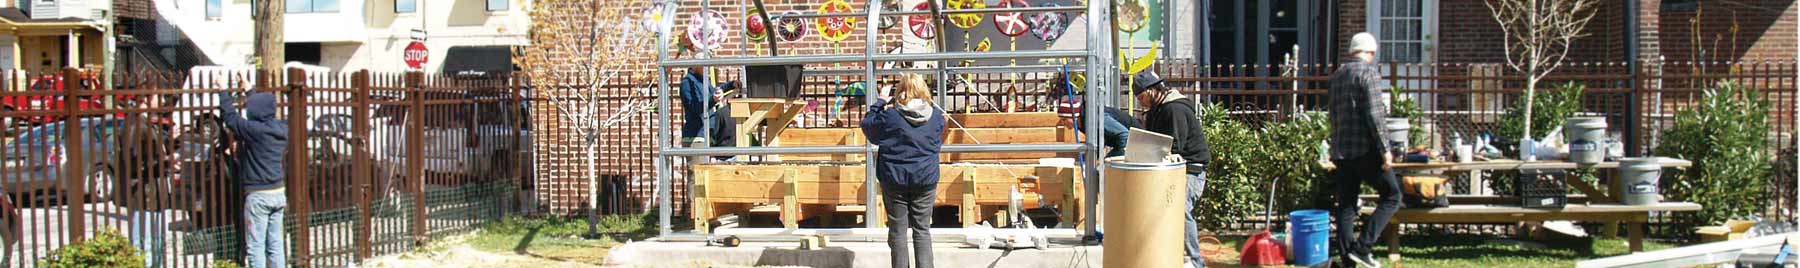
(1350, 175)
(909, 210)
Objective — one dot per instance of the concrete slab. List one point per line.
(848, 254)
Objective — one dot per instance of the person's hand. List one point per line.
(1387, 161)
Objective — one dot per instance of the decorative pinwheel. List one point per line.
(1048, 25)
(1011, 24)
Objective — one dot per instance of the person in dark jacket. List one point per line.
(1116, 127)
(910, 132)
(262, 142)
(696, 99)
(1173, 114)
(1358, 142)
(144, 163)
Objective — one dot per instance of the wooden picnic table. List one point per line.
(1592, 205)
(1615, 188)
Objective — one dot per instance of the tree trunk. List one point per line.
(270, 50)
(1529, 154)
(593, 214)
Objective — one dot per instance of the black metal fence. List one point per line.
(376, 162)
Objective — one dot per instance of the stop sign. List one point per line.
(416, 55)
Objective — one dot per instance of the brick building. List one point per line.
(1463, 31)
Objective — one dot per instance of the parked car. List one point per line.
(460, 141)
(41, 103)
(34, 160)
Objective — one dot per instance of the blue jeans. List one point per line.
(1116, 135)
(267, 247)
(1195, 183)
(147, 235)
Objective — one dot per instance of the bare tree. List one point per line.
(1538, 36)
(579, 51)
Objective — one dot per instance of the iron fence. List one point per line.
(376, 163)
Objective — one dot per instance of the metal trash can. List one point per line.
(1144, 221)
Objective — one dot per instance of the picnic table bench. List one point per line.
(1593, 204)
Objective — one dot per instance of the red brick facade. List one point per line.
(1765, 31)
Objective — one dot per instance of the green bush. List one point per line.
(105, 249)
(223, 263)
(1549, 110)
(1723, 135)
(1245, 160)
(1415, 117)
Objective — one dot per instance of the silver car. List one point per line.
(35, 159)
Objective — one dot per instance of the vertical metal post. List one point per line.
(870, 89)
(297, 194)
(1634, 99)
(415, 153)
(359, 167)
(1100, 80)
(664, 174)
(74, 176)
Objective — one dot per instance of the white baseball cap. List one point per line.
(1363, 42)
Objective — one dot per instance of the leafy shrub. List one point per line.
(106, 249)
(1245, 160)
(223, 263)
(1415, 117)
(1549, 110)
(1723, 135)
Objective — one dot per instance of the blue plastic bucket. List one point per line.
(1310, 231)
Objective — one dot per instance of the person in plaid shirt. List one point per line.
(1358, 142)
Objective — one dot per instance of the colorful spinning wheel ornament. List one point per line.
(653, 19)
(888, 22)
(921, 25)
(1048, 25)
(754, 28)
(835, 28)
(1011, 24)
(966, 20)
(789, 27)
(706, 30)
(1132, 16)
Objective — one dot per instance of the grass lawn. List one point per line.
(1456, 250)
(560, 238)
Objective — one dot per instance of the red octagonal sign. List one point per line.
(416, 55)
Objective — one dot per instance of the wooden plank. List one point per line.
(1570, 209)
(1505, 214)
(1006, 120)
(790, 202)
(1636, 231)
(702, 211)
(970, 212)
(843, 184)
(852, 136)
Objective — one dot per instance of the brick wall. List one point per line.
(134, 9)
(1765, 31)
(1729, 30)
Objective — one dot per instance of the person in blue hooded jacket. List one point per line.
(696, 97)
(910, 133)
(262, 142)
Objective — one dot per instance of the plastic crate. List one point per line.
(1543, 188)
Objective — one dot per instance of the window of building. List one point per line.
(406, 6)
(1405, 28)
(213, 8)
(312, 6)
(497, 5)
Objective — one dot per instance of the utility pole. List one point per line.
(269, 16)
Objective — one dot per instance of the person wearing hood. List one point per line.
(910, 133)
(262, 142)
(1173, 114)
(694, 104)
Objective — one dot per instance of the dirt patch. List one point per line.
(463, 256)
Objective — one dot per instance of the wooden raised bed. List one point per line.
(809, 190)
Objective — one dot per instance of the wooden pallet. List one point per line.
(804, 191)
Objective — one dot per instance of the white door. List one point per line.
(1408, 33)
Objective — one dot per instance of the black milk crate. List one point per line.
(1543, 188)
